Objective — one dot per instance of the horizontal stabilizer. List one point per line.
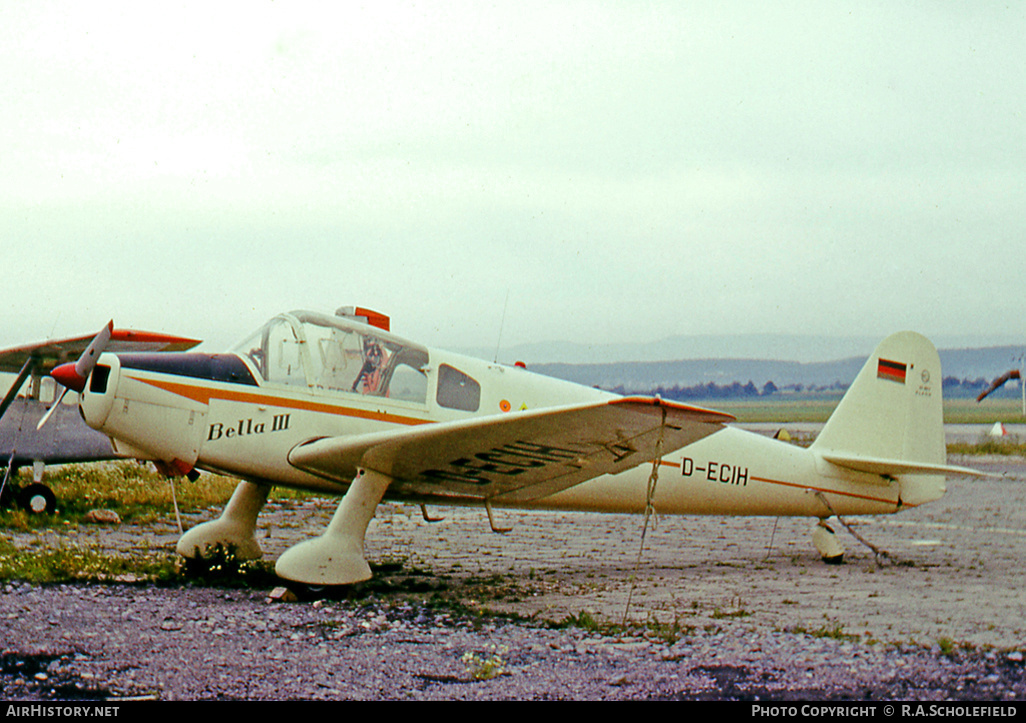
(896, 467)
(514, 457)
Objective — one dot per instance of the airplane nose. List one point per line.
(67, 375)
(73, 376)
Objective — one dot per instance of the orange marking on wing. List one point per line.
(171, 343)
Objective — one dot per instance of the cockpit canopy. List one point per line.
(318, 351)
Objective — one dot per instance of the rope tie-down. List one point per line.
(653, 479)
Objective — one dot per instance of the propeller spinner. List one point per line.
(74, 375)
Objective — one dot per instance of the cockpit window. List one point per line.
(274, 351)
(323, 352)
(282, 359)
(456, 390)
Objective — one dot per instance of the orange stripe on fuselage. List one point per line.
(203, 395)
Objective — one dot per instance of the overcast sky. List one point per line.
(621, 171)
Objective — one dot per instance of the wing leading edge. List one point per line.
(514, 457)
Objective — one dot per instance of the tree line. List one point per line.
(951, 387)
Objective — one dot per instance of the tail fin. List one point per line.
(891, 420)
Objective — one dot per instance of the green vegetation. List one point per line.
(488, 666)
(779, 409)
(136, 492)
(69, 562)
(667, 632)
(138, 495)
(833, 632)
(968, 411)
(946, 645)
(586, 621)
(816, 408)
(77, 564)
(1008, 448)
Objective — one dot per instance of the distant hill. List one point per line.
(802, 348)
(971, 364)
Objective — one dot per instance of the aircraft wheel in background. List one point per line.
(37, 498)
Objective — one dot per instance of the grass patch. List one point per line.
(78, 564)
(139, 495)
(487, 666)
(74, 563)
(817, 408)
(946, 645)
(969, 411)
(220, 567)
(135, 491)
(780, 410)
(989, 446)
(719, 614)
(666, 632)
(833, 632)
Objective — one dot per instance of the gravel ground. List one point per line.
(725, 609)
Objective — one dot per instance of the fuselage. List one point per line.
(307, 376)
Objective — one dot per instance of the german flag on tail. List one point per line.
(891, 370)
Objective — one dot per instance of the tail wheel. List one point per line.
(37, 498)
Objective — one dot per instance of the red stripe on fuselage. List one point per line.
(825, 490)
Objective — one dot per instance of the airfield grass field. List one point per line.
(816, 408)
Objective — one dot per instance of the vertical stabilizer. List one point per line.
(893, 409)
(891, 421)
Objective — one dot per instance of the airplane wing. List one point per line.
(49, 354)
(514, 457)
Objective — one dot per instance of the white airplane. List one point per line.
(338, 404)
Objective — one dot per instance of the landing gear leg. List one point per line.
(234, 530)
(336, 557)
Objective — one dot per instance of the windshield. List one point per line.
(336, 354)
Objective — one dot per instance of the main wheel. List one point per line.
(37, 498)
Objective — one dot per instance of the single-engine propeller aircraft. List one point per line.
(339, 404)
(24, 440)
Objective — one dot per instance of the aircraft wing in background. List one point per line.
(50, 353)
